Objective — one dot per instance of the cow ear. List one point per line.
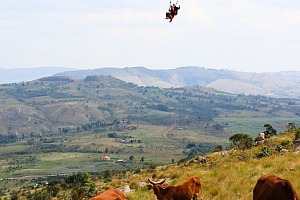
(149, 186)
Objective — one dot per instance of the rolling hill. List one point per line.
(49, 103)
(276, 84)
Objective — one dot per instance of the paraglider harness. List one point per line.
(173, 10)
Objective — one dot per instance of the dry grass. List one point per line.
(228, 176)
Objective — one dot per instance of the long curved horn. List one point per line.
(150, 181)
(154, 183)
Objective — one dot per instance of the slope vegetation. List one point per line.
(47, 104)
(227, 175)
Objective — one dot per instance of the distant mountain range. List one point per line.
(274, 84)
(18, 75)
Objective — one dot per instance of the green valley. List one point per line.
(57, 125)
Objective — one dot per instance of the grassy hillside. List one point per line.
(228, 174)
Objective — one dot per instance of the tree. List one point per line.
(42, 194)
(54, 187)
(218, 148)
(297, 137)
(15, 196)
(291, 126)
(270, 131)
(241, 141)
(107, 175)
(131, 158)
(81, 184)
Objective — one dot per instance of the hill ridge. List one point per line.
(273, 84)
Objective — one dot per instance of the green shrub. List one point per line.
(265, 151)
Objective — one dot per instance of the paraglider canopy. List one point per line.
(173, 10)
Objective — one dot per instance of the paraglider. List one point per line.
(173, 10)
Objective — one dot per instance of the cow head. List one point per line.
(153, 183)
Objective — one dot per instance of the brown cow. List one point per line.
(271, 187)
(187, 190)
(111, 194)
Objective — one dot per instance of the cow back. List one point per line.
(275, 188)
(189, 189)
(111, 194)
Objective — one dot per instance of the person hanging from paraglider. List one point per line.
(173, 10)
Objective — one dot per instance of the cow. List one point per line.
(111, 194)
(271, 187)
(203, 160)
(260, 139)
(187, 190)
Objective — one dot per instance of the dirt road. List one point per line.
(165, 134)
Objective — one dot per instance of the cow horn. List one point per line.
(153, 182)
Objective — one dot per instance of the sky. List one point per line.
(240, 35)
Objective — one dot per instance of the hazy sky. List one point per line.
(244, 35)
